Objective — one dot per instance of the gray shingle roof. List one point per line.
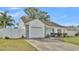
(26, 19)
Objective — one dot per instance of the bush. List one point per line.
(7, 38)
(22, 36)
(77, 34)
(47, 36)
(64, 34)
(59, 34)
(53, 34)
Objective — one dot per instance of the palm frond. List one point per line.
(10, 24)
(5, 19)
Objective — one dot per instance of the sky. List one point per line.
(66, 16)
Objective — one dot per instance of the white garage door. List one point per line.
(36, 32)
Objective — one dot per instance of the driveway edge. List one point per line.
(33, 45)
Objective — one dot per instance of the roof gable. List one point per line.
(26, 19)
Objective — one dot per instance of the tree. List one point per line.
(5, 19)
(31, 12)
(35, 13)
(43, 15)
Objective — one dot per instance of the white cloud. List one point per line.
(17, 14)
(1, 11)
(14, 8)
(64, 16)
(70, 24)
(52, 17)
(58, 17)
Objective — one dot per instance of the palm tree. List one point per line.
(35, 13)
(31, 12)
(43, 15)
(5, 20)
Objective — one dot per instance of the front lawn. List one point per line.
(15, 45)
(73, 40)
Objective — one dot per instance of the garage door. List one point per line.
(36, 32)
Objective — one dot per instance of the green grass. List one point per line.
(15, 45)
(73, 40)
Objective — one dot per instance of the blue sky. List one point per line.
(61, 15)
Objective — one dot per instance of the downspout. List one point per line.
(44, 31)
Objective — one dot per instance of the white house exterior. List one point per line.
(36, 28)
(71, 31)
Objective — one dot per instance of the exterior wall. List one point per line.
(33, 33)
(77, 30)
(71, 32)
(21, 24)
(12, 33)
(56, 28)
(36, 29)
(64, 30)
(49, 30)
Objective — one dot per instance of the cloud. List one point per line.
(59, 17)
(62, 17)
(17, 14)
(1, 11)
(52, 17)
(14, 8)
(69, 24)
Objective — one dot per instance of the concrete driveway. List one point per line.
(52, 45)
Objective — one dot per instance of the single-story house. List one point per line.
(35, 28)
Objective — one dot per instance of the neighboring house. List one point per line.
(35, 28)
(71, 30)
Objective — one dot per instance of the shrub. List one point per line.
(22, 36)
(77, 34)
(7, 38)
(53, 34)
(64, 34)
(59, 34)
(47, 36)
